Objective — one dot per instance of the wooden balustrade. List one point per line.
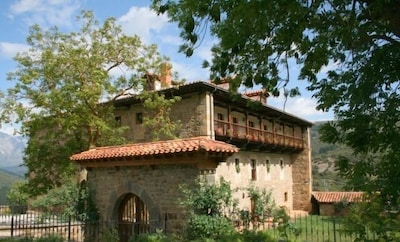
(224, 128)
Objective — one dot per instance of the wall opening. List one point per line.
(133, 217)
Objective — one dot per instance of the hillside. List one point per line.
(11, 153)
(323, 155)
(6, 181)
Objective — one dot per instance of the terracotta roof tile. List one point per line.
(255, 93)
(154, 148)
(332, 197)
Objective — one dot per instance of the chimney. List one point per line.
(165, 77)
(260, 96)
(225, 83)
(152, 82)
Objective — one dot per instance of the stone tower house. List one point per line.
(234, 136)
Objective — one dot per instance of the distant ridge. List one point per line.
(11, 151)
(18, 171)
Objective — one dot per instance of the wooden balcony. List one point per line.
(261, 138)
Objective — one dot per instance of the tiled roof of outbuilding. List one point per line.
(332, 197)
(155, 148)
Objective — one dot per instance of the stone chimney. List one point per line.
(260, 96)
(225, 83)
(152, 82)
(165, 77)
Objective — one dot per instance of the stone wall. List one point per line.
(191, 112)
(302, 180)
(270, 175)
(157, 186)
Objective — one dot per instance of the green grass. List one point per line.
(315, 228)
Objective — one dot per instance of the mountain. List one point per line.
(11, 153)
(6, 182)
(325, 177)
(11, 150)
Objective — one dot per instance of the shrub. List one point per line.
(212, 209)
(205, 226)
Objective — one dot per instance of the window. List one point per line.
(285, 196)
(237, 165)
(139, 118)
(265, 127)
(281, 163)
(268, 165)
(235, 121)
(253, 164)
(220, 116)
(251, 124)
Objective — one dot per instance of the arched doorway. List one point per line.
(133, 217)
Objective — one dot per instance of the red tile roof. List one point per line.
(332, 197)
(255, 93)
(155, 148)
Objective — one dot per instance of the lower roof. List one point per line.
(333, 197)
(194, 144)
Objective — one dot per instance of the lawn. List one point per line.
(315, 228)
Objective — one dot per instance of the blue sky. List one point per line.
(135, 17)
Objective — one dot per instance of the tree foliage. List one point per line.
(157, 115)
(356, 41)
(63, 93)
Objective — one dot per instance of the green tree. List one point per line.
(157, 116)
(65, 85)
(359, 40)
(211, 208)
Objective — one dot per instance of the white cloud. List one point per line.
(143, 22)
(9, 50)
(331, 66)
(46, 13)
(23, 6)
(204, 51)
(171, 40)
(9, 129)
(303, 107)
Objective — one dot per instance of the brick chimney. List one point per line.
(225, 83)
(165, 77)
(152, 82)
(260, 96)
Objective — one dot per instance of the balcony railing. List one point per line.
(242, 132)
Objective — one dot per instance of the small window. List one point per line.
(237, 165)
(253, 164)
(285, 196)
(139, 118)
(220, 116)
(235, 121)
(281, 163)
(265, 127)
(251, 124)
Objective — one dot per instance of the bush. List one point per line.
(205, 226)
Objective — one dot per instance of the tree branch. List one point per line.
(384, 37)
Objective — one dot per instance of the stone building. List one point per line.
(234, 136)
(334, 203)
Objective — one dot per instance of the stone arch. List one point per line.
(116, 198)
